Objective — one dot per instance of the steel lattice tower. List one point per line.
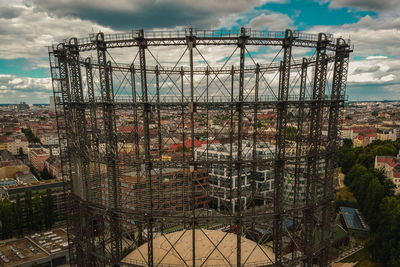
(169, 141)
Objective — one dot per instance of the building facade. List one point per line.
(391, 167)
(223, 182)
(37, 157)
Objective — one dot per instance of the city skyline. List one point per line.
(28, 27)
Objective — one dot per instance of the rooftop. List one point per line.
(26, 178)
(16, 252)
(352, 219)
(32, 248)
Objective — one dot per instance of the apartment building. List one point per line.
(37, 157)
(223, 183)
(391, 167)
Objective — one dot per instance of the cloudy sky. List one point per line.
(27, 27)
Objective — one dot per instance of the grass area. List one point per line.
(345, 194)
(363, 257)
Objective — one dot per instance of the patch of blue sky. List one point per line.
(355, 58)
(307, 13)
(21, 67)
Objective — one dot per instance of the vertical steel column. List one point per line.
(239, 108)
(333, 144)
(191, 43)
(62, 98)
(95, 185)
(81, 150)
(207, 73)
(137, 163)
(161, 192)
(255, 133)
(92, 101)
(94, 166)
(80, 142)
(314, 143)
(231, 133)
(283, 94)
(105, 75)
(148, 162)
(299, 163)
(182, 73)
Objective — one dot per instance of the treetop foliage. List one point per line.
(375, 196)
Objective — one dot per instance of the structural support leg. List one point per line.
(148, 163)
(333, 144)
(279, 170)
(313, 173)
(105, 73)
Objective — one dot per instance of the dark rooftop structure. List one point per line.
(352, 219)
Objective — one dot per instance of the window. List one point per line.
(225, 183)
(213, 180)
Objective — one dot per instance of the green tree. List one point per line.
(375, 196)
(28, 209)
(291, 132)
(356, 171)
(48, 209)
(45, 174)
(6, 218)
(372, 200)
(384, 242)
(18, 216)
(30, 136)
(388, 185)
(384, 150)
(366, 159)
(37, 212)
(359, 187)
(348, 143)
(184, 149)
(347, 161)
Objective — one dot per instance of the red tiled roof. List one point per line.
(188, 143)
(266, 116)
(5, 139)
(387, 160)
(128, 129)
(364, 130)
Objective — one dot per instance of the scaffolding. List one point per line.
(171, 140)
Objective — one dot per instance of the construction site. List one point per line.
(200, 147)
